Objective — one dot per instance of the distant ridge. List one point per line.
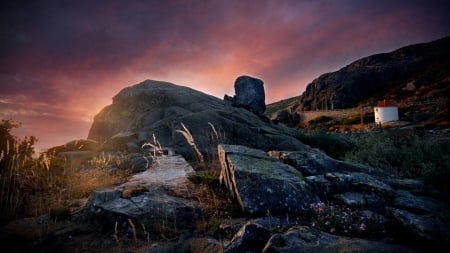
(414, 73)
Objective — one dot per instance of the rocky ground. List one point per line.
(282, 197)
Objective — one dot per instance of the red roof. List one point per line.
(384, 103)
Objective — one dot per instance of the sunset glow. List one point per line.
(62, 61)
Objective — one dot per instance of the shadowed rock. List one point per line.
(249, 94)
(261, 183)
(250, 238)
(419, 71)
(154, 109)
(306, 239)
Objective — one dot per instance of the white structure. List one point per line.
(385, 112)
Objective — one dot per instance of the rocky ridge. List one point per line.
(415, 77)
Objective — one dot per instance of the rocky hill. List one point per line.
(161, 111)
(415, 77)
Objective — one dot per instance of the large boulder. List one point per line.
(249, 94)
(261, 183)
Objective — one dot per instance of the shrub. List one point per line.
(351, 120)
(332, 144)
(404, 155)
(320, 120)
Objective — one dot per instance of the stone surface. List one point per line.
(154, 110)
(306, 239)
(314, 162)
(261, 183)
(427, 229)
(372, 78)
(146, 197)
(250, 238)
(249, 94)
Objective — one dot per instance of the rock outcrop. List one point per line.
(249, 94)
(363, 78)
(261, 183)
(154, 110)
(410, 76)
(284, 209)
(408, 210)
(307, 239)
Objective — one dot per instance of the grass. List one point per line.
(401, 153)
(214, 201)
(32, 185)
(212, 197)
(405, 154)
(332, 144)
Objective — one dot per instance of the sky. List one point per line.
(62, 61)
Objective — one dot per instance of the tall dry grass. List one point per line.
(48, 184)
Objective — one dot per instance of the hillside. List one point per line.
(415, 77)
(159, 110)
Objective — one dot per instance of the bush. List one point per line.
(352, 120)
(404, 155)
(321, 122)
(332, 144)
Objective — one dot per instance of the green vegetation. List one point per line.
(400, 153)
(351, 120)
(405, 154)
(332, 144)
(280, 105)
(209, 178)
(320, 119)
(214, 200)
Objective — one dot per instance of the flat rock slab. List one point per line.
(168, 171)
(261, 183)
(147, 197)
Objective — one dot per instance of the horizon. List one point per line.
(62, 62)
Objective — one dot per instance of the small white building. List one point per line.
(385, 112)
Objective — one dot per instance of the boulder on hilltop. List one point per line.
(249, 94)
(154, 110)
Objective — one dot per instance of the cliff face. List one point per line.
(414, 72)
(421, 64)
